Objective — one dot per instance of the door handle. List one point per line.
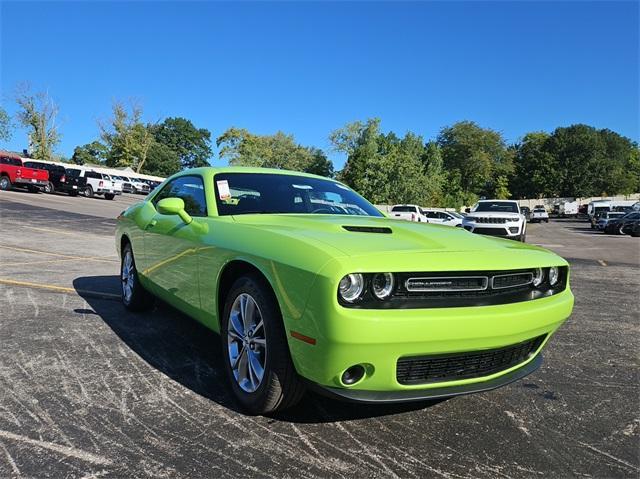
(151, 224)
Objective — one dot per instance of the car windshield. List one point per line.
(456, 214)
(264, 193)
(404, 209)
(496, 206)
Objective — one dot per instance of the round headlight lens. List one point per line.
(382, 285)
(538, 277)
(351, 287)
(554, 275)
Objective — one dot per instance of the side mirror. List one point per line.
(174, 206)
(467, 210)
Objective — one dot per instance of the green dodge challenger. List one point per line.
(310, 286)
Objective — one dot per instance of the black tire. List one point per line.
(88, 191)
(33, 189)
(139, 299)
(5, 183)
(109, 196)
(73, 193)
(49, 188)
(523, 237)
(280, 386)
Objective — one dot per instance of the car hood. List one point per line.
(404, 238)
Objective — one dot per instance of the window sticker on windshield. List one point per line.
(223, 189)
(303, 187)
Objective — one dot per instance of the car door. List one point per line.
(171, 261)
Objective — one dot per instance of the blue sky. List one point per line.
(307, 68)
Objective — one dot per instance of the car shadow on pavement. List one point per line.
(187, 352)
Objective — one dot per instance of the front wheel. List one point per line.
(257, 359)
(134, 296)
(5, 183)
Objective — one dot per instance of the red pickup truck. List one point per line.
(14, 173)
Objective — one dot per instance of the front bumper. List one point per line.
(377, 339)
(503, 230)
(357, 395)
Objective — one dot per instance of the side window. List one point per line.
(190, 189)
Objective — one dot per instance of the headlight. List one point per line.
(351, 287)
(382, 285)
(538, 277)
(553, 275)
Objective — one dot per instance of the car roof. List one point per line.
(250, 169)
(493, 201)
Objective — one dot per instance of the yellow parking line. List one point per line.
(91, 258)
(53, 287)
(60, 232)
(602, 262)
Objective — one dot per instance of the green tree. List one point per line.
(387, 169)
(243, 148)
(536, 170)
(161, 161)
(191, 144)
(478, 155)
(128, 140)
(5, 125)
(91, 153)
(38, 113)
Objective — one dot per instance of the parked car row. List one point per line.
(425, 215)
(39, 176)
(618, 223)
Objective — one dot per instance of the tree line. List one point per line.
(461, 164)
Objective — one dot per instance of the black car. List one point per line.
(635, 229)
(75, 183)
(622, 225)
(57, 176)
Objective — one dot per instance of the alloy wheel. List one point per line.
(127, 276)
(247, 344)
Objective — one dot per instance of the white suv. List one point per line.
(496, 218)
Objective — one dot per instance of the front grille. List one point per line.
(457, 366)
(491, 219)
(490, 231)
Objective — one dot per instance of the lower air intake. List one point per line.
(457, 366)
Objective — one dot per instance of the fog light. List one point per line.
(513, 229)
(553, 275)
(352, 375)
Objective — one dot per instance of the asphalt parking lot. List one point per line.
(90, 390)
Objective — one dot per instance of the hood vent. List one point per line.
(369, 229)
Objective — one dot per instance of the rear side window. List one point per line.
(11, 161)
(404, 209)
(190, 189)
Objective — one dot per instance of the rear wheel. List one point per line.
(621, 230)
(49, 188)
(134, 296)
(109, 196)
(5, 183)
(257, 359)
(88, 191)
